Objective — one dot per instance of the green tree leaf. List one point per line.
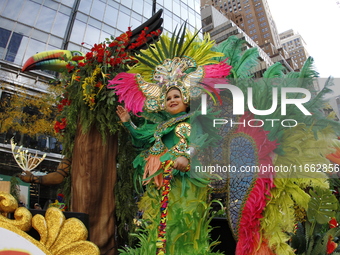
(322, 205)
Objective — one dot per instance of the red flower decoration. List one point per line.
(331, 246)
(89, 55)
(62, 103)
(60, 126)
(69, 67)
(333, 223)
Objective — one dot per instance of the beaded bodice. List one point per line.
(182, 131)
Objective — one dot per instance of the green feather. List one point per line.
(275, 70)
(247, 60)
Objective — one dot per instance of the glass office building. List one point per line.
(31, 26)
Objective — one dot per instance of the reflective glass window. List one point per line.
(184, 12)
(176, 19)
(168, 5)
(29, 13)
(109, 30)
(137, 6)
(176, 8)
(134, 23)
(2, 5)
(82, 17)
(103, 36)
(95, 23)
(97, 10)
(197, 7)
(46, 19)
(192, 29)
(110, 16)
(191, 3)
(50, 47)
(19, 56)
(37, 1)
(123, 21)
(4, 37)
(69, 3)
(113, 4)
(191, 17)
(60, 24)
(198, 21)
(22, 29)
(12, 9)
(72, 46)
(33, 47)
(92, 35)
(127, 3)
(41, 36)
(85, 6)
(55, 41)
(65, 10)
(78, 31)
(51, 4)
(136, 16)
(125, 10)
(7, 24)
(167, 23)
(147, 10)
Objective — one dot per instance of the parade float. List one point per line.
(286, 206)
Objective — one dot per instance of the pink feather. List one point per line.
(215, 74)
(220, 70)
(249, 238)
(126, 87)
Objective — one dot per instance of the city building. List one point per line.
(255, 20)
(253, 17)
(31, 26)
(294, 44)
(220, 28)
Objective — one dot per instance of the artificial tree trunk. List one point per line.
(93, 180)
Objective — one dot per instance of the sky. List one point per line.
(318, 22)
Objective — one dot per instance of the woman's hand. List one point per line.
(181, 164)
(123, 113)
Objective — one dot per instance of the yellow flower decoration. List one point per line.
(90, 85)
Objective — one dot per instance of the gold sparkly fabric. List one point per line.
(22, 216)
(58, 236)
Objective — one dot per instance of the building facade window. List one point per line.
(35, 26)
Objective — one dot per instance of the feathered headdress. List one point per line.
(182, 61)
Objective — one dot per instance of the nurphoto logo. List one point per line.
(239, 103)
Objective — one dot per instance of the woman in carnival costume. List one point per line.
(175, 205)
(260, 206)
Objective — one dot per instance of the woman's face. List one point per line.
(174, 103)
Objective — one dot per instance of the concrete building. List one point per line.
(253, 17)
(255, 20)
(31, 26)
(294, 44)
(220, 28)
